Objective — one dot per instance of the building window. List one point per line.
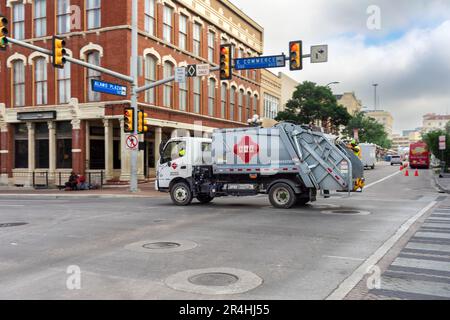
(63, 16)
(40, 20)
(19, 83)
(255, 105)
(64, 145)
(167, 24)
(211, 43)
(94, 14)
(249, 103)
(271, 105)
(168, 87)
(197, 94)
(40, 80)
(150, 76)
(20, 146)
(197, 39)
(150, 17)
(41, 146)
(223, 100)
(183, 95)
(211, 96)
(232, 102)
(241, 103)
(93, 58)
(182, 39)
(19, 20)
(64, 88)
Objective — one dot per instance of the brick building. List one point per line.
(51, 121)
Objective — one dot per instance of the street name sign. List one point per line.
(180, 75)
(260, 62)
(319, 54)
(132, 142)
(108, 88)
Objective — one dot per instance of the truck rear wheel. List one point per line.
(282, 196)
(204, 198)
(181, 194)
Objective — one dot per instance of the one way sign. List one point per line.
(319, 54)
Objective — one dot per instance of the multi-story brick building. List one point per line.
(51, 121)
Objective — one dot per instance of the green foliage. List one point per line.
(370, 131)
(432, 140)
(310, 103)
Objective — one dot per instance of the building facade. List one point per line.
(385, 118)
(434, 121)
(270, 95)
(51, 120)
(288, 87)
(350, 102)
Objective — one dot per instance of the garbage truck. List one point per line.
(290, 163)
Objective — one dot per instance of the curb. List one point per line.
(69, 197)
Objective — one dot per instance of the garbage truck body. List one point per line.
(288, 162)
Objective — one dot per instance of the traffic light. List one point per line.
(142, 123)
(3, 32)
(295, 55)
(226, 58)
(129, 120)
(59, 52)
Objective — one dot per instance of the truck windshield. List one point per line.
(173, 151)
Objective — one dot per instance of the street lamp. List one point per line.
(335, 82)
(375, 85)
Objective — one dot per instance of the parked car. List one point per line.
(396, 160)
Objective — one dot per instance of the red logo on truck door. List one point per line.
(246, 149)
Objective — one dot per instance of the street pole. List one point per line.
(134, 85)
(375, 96)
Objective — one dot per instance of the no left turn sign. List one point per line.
(132, 142)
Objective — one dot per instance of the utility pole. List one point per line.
(134, 85)
(375, 85)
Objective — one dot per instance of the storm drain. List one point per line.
(13, 224)
(214, 281)
(161, 246)
(347, 212)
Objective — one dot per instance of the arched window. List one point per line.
(167, 24)
(183, 95)
(40, 81)
(197, 94)
(223, 100)
(64, 88)
(168, 87)
(93, 58)
(240, 106)
(19, 83)
(150, 76)
(211, 96)
(249, 104)
(232, 102)
(255, 104)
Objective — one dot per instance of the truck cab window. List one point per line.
(206, 153)
(173, 151)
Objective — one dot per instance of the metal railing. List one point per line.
(44, 179)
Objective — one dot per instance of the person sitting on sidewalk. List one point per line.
(72, 184)
(82, 184)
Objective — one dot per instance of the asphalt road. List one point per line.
(301, 253)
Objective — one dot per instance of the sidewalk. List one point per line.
(145, 190)
(442, 183)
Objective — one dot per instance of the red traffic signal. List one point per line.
(295, 55)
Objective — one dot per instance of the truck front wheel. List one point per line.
(204, 198)
(282, 196)
(181, 194)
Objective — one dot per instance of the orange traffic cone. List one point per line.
(416, 174)
(406, 173)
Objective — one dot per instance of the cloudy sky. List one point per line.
(406, 51)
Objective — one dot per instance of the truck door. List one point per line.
(173, 163)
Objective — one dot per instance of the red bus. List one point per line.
(419, 155)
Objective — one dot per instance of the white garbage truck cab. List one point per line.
(288, 162)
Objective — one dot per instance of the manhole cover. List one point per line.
(214, 279)
(161, 245)
(347, 212)
(13, 224)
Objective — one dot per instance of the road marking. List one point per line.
(352, 281)
(12, 205)
(382, 180)
(344, 258)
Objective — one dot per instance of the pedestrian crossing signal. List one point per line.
(295, 55)
(142, 123)
(59, 52)
(129, 120)
(3, 32)
(226, 72)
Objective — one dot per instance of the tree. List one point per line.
(432, 140)
(369, 130)
(310, 103)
